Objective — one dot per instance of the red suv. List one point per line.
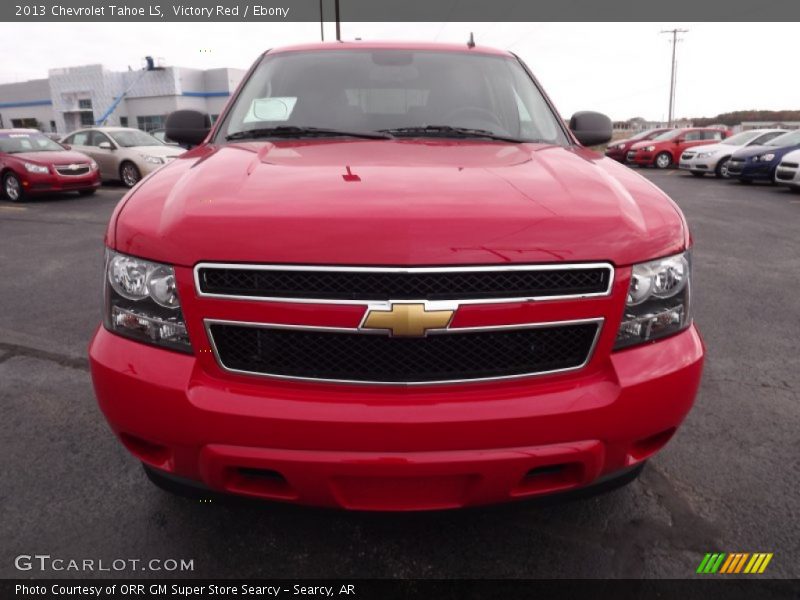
(391, 278)
(665, 150)
(31, 163)
(619, 150)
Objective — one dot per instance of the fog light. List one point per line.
(158, 330)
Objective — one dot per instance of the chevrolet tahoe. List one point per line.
(391, 277)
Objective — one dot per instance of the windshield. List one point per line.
(373, 90)
(787, 139)
(667, 135)
(740, 139)
(13, 143)
(133, 137)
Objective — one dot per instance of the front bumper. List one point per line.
(52, 183)
(640, 158)
(707, 164)
(788, 173)
(751, 170)
(373, 448)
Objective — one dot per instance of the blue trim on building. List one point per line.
(206, 94)
(29, 103)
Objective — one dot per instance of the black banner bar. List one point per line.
(400, 10)
(730, 588)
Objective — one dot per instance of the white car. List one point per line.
(788, 171)
(713, 158)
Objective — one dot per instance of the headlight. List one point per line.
(156, 160)
(704, 154)
(141, 302)
(765, 157)
(649, 148)
(92, 165)
(658, 301)
(34, 168)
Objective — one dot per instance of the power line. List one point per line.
(675, 41)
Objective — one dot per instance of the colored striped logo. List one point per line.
(735, 562)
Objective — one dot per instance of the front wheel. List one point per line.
(13, 188)
(663, 160)
(129, 174)
(722, 168)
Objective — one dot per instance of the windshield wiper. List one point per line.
(449, 131)
(295, 131)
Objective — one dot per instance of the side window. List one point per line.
(693, 136)
(713, 135)
(767, 137)
(79, 139)
(97, 138)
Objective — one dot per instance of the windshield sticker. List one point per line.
(271, 109)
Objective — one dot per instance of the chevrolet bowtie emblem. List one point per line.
(407, 320)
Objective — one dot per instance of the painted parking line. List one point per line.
(17, 208)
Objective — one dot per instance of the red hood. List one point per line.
(403, 202)
(55, 157)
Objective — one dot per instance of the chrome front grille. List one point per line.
(73, 169)
(360, 285)
(450, 356)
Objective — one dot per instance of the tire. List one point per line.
(663, 160)
(129, 174)
(697, 173)
(722, 168)
(12, 188)
(87, 192)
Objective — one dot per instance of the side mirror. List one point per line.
(188, 126)
(66, 146)
(105, 146)
(591, 128)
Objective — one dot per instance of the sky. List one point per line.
(621, 69)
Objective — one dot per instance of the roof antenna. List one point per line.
(471, 42)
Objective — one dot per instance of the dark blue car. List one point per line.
(754, 163)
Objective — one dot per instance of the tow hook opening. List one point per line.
(648, 446)
(548, 478)
(149, 452)
(266, 483)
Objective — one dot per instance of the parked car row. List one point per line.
(32, 163)
(755, 155)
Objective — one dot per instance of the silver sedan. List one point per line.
(122, 153)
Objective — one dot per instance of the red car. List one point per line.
(619, 150)
(31, 163)
(391, 278)
(664, 150)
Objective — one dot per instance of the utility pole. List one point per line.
(321, 22)
(675, 41)
(338, 29)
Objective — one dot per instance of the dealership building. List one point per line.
(75, 97)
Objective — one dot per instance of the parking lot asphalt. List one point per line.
(729, 481)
